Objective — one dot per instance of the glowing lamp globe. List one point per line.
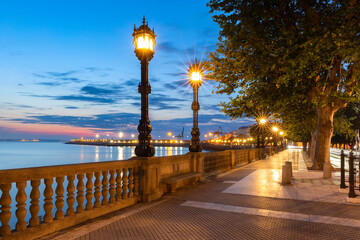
(275, 129)
(195, 74)
(144, 42)
(262, 120)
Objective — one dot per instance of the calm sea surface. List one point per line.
(35, 154)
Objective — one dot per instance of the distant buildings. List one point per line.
(241, 132)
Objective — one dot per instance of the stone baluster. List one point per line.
(136, 181)
(124, 184)
(80, 193)
(21, 211)
(118, 184)
(97, 193)
(48, 205)
(89, 191)
(5, 213)
(131, 182)
(105, 187)
(70, 195)
(112, 186)
(59, 203)
(34, 207)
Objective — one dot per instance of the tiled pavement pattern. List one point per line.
(277, 214)
(188, 215)
(308, 185)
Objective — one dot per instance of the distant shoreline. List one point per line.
(205, 146)
(123, 144)
(31, 140)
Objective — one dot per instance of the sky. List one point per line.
(68, 68)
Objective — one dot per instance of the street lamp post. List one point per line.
(275, 129)
(262, 122)
(144, 41)
(281, 133)
(195, 79)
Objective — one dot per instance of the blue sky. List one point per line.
(67, 68)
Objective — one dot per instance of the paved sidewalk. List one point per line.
(246, 203)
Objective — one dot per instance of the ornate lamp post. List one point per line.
(275, 129)
(144, 41)
(195, 79)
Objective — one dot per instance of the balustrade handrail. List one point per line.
(33, 173)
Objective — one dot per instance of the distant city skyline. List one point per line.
(68, 69)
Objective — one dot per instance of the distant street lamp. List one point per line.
(144, 41)
(275, 129)
(121, 134)
(195, 79)
(262, 122)
(281, 137)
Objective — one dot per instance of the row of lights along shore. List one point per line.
(144, 41)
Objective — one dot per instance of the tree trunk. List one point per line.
(312, 148)
(304, 146)
(324, 133)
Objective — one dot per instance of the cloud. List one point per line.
(13, 106)
(91, 90)
(111, 121)
(170, 86)
(132, 82)
(61, 74)
(71, 107)
(158, 97)
(128, 122)
(70, 79)
(96, 69)
(177, 74)
(210, 107)
(166, 46)
(84, 99)
(52, 84)
(57, 78)
(163, 106)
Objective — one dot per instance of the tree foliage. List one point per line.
(300, 59)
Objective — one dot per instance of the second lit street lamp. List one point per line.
(195, 79)
(144, 41)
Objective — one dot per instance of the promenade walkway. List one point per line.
(245, 203)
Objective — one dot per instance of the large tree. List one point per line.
(288, 49)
